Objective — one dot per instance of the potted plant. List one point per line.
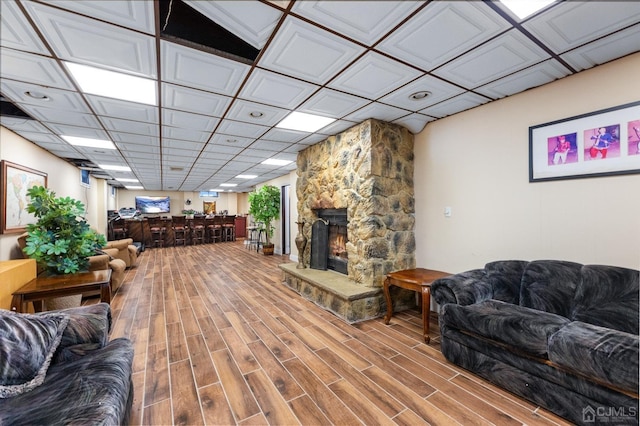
(61, 240)
(264, 206)
(189, 213)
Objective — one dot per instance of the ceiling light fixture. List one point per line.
(217, 190)
(134, 187)
(232, 140)
(418, 96)
(247, 176)
(276, 162)
(88, 142)
(522, 8)
(228, 184)
(126, 180)
(37, 95)
(256, 114)
(110, 84)
(304, 122)
(114, 168)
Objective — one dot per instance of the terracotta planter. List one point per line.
(267, 249)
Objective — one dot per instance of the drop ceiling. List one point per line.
(227, 72)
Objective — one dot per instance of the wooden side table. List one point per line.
(52, 286)
(419, 280)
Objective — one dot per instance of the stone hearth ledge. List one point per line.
(335, 292)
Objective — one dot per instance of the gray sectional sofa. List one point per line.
(560, 334)
(59, 367)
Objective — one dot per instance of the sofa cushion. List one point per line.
(522, 328)
(87, 324)
(27, 345)
(608, 296)
(464, 288)
(93, 389)
(505, 277)
(550, 285)
(610, 356)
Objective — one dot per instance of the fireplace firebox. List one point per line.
(329, 240)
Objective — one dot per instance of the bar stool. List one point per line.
(229, 228)
(180, 229)
(198, 230)
(158, 230)
(213, 229)
(119, 229)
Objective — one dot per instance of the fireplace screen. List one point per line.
(329, 240)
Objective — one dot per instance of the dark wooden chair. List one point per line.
(158, 229)
(229, 228)
(180, 230)
(119, 229)
(198, 229)
(213, 230)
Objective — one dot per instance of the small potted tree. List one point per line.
(61, 240)
(264, 206)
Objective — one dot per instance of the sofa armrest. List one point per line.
(98, 262)
(133, 254)
(464, 288)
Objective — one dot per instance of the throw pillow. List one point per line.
(27, 344)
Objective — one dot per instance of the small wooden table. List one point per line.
(52, 286)
(418, 279)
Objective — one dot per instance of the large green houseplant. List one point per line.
(264, 206)
(61, 240)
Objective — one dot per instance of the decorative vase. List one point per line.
(301, 243)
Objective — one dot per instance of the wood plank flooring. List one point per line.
(220, 340)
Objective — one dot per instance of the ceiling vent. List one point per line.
(184, 25)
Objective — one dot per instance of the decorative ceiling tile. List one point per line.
(185, 120)
(220, 139)
(459, 103)
(269, 145)
(76, 38)
(437, 89)
(19, 124)
(373, 76)
(365, 22)
(284, 135)
(192, 100)
(331, 103)
(54, 115)
(302, 50)
(572, 24)
(274, 89)
(332, 129)
(455, 27)
(194, 68)
(534, 76)
(501, 56)
(134, 14)
(255, 113)
(604, 50)
(252, 21)
(15, 31)
(237, 128)
(122, 109)
(129, 126)
(378, 111)
(32, 68)
(184, 134)
(84, 132)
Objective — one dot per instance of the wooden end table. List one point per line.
(47, 287)
(419, 280)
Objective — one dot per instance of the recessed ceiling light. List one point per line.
(247, 176)
(37, 95)
(304, 122)
(256, 114)
(126, 180)
(112, 84)
(276, 162)
(523, 8)
(232, 140)
(228, 184)
(91, 143)
(419, 95)
(134, 187)
(217, 190)
(114, 168)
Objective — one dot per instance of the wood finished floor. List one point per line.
(220, 340)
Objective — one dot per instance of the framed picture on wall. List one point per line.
(600, 143)
(15, 181)
(209, 207)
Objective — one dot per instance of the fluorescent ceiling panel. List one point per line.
(88, 142)
(111, 84)
(524, 8)
(304, 122)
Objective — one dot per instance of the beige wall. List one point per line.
(62, 177)
(476, 162)
(234, 203)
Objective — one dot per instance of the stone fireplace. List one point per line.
(367, 172)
